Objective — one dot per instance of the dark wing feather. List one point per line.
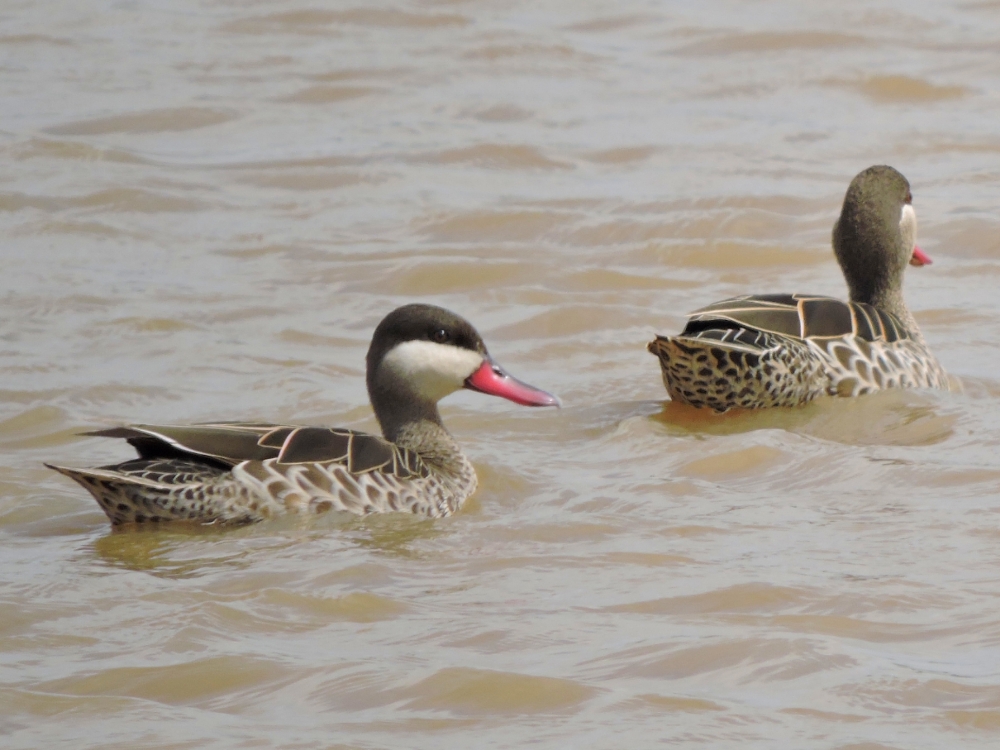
(228, 444)
(825, 317)
(369, 453)
(866, 322)
(358, 451)
(276, 437)
(892, 327)
(873, 324)
(225, 443)
(773, 313)
(305, 445)
(797, 316)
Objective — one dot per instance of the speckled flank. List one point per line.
(155, 490)
(127, 493)
(785, 371)
(706, 373)
(276, 489)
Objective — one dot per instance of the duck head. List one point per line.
(421, 353)
(875, 237)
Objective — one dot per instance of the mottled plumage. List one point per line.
(786, 349)
(239, 473)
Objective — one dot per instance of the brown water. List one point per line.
(206, 206)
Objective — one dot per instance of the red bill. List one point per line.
(491, 378)
(920, 258)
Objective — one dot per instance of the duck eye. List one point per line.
(909, 197)
(439, 336)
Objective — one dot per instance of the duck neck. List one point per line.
(873, 255)
(399, 417)
(415, 424)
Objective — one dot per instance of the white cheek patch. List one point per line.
(432, 370)
(908, 225)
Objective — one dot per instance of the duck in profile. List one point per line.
(768, 350)
(241, 473)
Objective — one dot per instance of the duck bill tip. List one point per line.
(492, 379)
(919, 257)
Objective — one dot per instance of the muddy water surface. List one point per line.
(206, 206)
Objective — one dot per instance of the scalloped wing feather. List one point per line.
(233, 443)
(358, 452)
(798, 316)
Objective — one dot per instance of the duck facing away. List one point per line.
(786, 349)
(240, 473)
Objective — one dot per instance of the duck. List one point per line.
(238, 473)
(768, 350)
